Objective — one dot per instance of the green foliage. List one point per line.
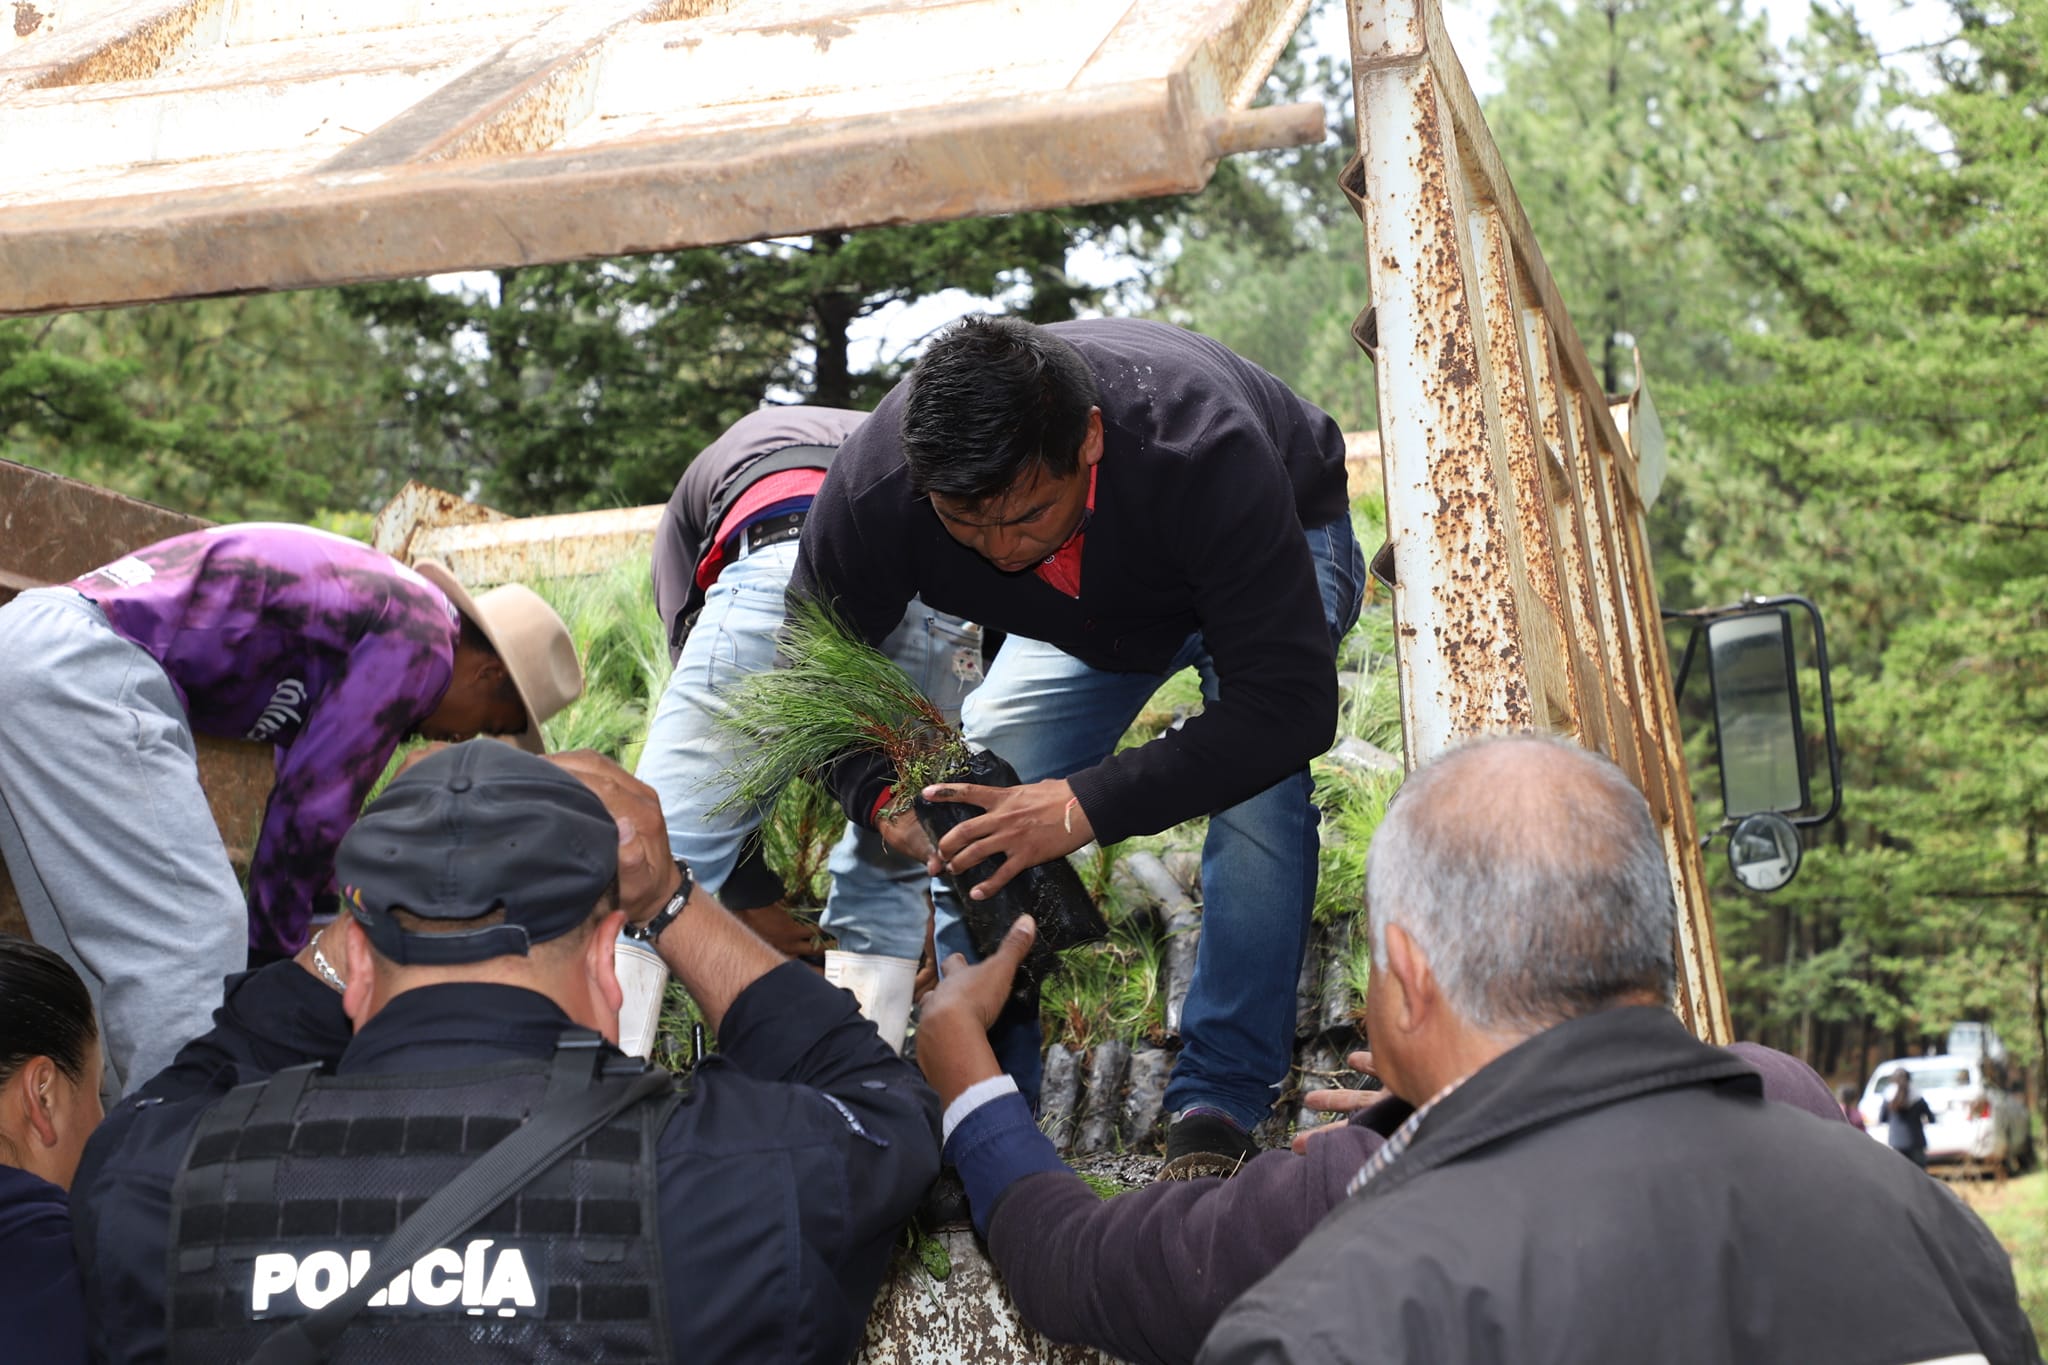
(1270, 259)
(1890, 460)
(594, 383)
(619, 637)
(2017, 1214)
(1371, 707)
(798, 835)
(1292, 316)
(1110, 989)
(833, 694)
(1105, 1187)
(1631, 128)
(245, 408)
(676, 1032)
(1353, 804)
(933, 1256)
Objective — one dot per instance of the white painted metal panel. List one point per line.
(1523, 595)
(164, 148)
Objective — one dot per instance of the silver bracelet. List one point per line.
(326, 968)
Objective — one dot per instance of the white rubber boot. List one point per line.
(880, 984)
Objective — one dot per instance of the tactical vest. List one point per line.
(290, 1186)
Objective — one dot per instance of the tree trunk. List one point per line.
(833, 311)
(2040, 1006)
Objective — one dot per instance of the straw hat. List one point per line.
(529, 637)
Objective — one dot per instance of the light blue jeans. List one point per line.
(877, 903)
(1051, 715)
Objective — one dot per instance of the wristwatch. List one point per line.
(650, 931)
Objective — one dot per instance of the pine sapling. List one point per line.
(831, 694)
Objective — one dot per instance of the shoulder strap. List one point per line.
(774, 462)
(568, 1114)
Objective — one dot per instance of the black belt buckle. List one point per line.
(774, 531)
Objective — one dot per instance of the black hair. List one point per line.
(45, 1011)
(473, 636)
(991, 397)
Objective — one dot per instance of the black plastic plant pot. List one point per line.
(1050, 893)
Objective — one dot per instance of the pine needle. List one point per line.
(831, 694)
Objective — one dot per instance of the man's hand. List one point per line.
(647, 869)
(784, 932)
(1340, 1101)
(1025, 826)
(952, 1032)
(903, 834)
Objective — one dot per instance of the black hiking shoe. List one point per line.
(1202, 1142)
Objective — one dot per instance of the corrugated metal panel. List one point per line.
(1524, 595)
(170, 148)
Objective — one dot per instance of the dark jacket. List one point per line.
(42, 1310)
(1211, 469)
(1145, 1275)
(784, 1173)
(1906, 1128)
(1613, 1190)
(721, 471)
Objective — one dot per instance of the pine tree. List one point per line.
(1896, 451)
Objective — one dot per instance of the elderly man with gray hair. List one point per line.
(1581, 1179)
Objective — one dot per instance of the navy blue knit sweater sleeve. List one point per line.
(42, 1308)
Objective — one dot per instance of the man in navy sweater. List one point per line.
(1124, 499)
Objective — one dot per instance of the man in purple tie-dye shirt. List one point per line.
(321, 646)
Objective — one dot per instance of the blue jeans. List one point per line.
(877, 903)
(1051, 715)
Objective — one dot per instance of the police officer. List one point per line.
(746, 1214)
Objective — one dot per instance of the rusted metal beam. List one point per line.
(483, 547)
(1523, 592)
(418, 510)
(127, 44)
(52, 529)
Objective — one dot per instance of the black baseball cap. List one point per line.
(474, 828)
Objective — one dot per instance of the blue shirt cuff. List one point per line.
(995, 1146)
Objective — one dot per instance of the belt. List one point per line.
(768, 531)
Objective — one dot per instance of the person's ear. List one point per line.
(1091, 444)
(42, 1095)
(1417, 997)
(362, 971)
(601, 967)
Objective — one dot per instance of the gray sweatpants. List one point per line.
(106, 830)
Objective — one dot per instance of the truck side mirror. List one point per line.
(1756, 713)
(1760, 740)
